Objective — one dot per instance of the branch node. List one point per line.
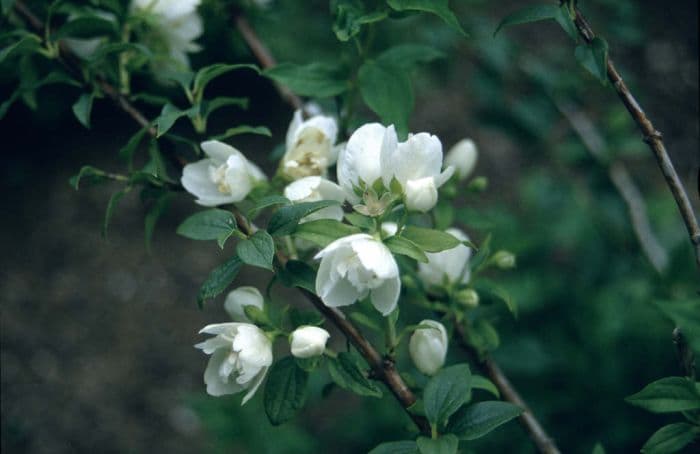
(654, 135)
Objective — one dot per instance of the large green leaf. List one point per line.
(324, 231)
(258, 250)
(285, 390)
(404, 246)
(86, 27)
(476, 420)
(346, 374)
(220, 278)
(321, 80)
(285, 220)
(209, 73)
(407, 56)
(212, 224)
(25, 45)
(444, 444)
(529, 14)
(387, 90)
(446, 392)
(396, 447)
(440, 8)
(668, 394)
(671, 438)
(430, 240)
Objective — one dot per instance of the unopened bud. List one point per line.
(504, 260)
(478, 184)
(408, 281)
(468, 298)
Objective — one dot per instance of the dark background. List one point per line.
(97, 334)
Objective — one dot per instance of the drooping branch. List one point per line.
(653, 138)
(383, 369)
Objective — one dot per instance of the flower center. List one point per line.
(218, 176)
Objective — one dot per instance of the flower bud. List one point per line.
(239, 298)
(504, 260)
(468, 298)
(428, 346)
(308, 341)
(478, 184)
(462, 156)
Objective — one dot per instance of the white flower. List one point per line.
(308, 341)
(355, 266)
(462, 156)
(373, 152)
(238, 299)
(309, 146)
(428, 346)
(177, 25)
(313, 189)
(416, 164)
(240, 356)
(451, 265)
(226, 176)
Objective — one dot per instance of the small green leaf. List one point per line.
(206, 108)
(86, 27)
(111, 206)
(350, 17)
(671, 438)
(594, 57)
(25, 45)
(396, 447)
(89, 175)
(499, 292)
(430, 240)
(445, 444)
(258, 250)
(404, 246)
(482, 254)
(324, 231)
(302, 318)
(483, 383)
(213, 224)
(359, 220)
(438, 7)
(565, 21)
(476, 420)
(298, 274)
(209, 73)
(668, 394)
(321, 80)
(243, 129)
(266, 202)
(128, 150)
(406, 56)
(220, 278)
(167, 118)
(285, 220)
(154, 213)
(106, 50)
(527, 15)
(83, 107)
(346, 374)
(446, 392)
(285, 391)
(387, 90)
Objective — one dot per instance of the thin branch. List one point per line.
(382, 368)
(537, 433)
(686, 357)
(623, 182)
(653, 138)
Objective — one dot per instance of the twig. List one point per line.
(686, 357)
(383, 369)
(653, 138)
(623, 182)
(537, 433)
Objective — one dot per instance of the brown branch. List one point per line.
(653, 138)
(537, 433)
(383, 369)
(623, 182)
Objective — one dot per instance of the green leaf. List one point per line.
(213, 224)
(482, 254)
(266, 202)
(446, 392)
(406, 56)
(258, 250)
(476, 420)
(483, 336)
(565, 21)
(298, 274)
(445, 444)
(128, 150)
(499, 292)
(598, 449)
(346, 374)
(404, 246)
(359, 220)
(668, 394)
(103, 52)
(220, 278)
(111, 206)
(86, 27)
(527, 15)
(285, 390)
(430, 240)
(167, 118)
(320, 80)
(83, 107)
(209, 73)
(305, 318)
(686, 315)
(324, 231)
(154, 213)
(483, 383)
(208, 107)
(396, 447)
(25, 45)
(671, 438)
(285, 220)
(89, 175)
(438, 7)
(350, 17)
(6, 5)
(387, 90)
(243, 129)
(594, 57)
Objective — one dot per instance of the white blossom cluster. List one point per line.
(375, 172)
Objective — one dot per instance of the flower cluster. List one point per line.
(381, 177)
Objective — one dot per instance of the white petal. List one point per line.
(218, 151)
(228, 329)
(462, 156)
(419, 157)
(209, 346)
(238, 298)
(254, 385)
(340, 243)
(302, 189)
(360, 159)
(253, 346)
(386, 296)
(444, 176)
(342, 293)
(238, 179)
(376, 257)
(215, 385)
(196, 180)
(293, 128)
(421, 195)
